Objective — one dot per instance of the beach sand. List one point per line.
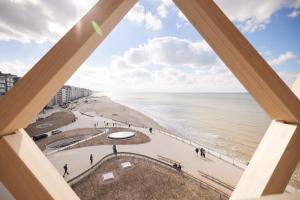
(107, 108)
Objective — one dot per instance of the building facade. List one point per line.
(7, 81)
(68, 93)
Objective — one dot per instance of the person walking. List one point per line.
(66, 170)
(201, 151)
(91, 159)
(115, 149)
(179, 167)
(197, 151)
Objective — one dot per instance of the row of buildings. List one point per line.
(7, 81)
(68, 93)
(63, 96)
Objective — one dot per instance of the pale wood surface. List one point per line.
(27, 173)
(272, 164)
(295, 196)
(19, 106)
(296, 86)
(242, 59)
(25, 169)
(274, 161)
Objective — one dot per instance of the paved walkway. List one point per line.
(160, 145)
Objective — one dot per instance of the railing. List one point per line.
(84, 174)
(216, 180)
(86, 114)
(75, 143)
(232, 161)
(238, 163)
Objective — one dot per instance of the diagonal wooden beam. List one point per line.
(242, 59)
(273, 162)
(27, 173)
(19, 106)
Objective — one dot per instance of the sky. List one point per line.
(154, 48)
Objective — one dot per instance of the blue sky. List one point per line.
(154, 48)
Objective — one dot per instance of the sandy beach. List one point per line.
(105, 107)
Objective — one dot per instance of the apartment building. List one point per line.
(68, 93)
(7, 81)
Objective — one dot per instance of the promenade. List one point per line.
(160, 145)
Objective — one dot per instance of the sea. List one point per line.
(231, 123)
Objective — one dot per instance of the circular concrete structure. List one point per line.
(121, 135)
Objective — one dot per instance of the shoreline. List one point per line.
(103, 106)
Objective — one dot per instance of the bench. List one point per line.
(170, 161)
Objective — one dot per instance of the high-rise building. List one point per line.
(61, 96)
(68, 93)
(7, 81)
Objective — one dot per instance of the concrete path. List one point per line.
(160, 145)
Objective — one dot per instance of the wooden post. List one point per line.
(27, 173)
(242, 59)
(27, 98)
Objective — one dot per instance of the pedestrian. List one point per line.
(197, 151)
(91, 158)
(129, 125)
(179, 167)
(66, 170)
(203, 153)
(150, 130)
(115, 149)
(175, 165)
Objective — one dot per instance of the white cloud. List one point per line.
(172, 51)
(138, 14)
(288, 77)
(282, 58)
(161, 64)
(178, 25)
(152, 22)
(14, 67)
(37, 20)
(162, 9)
(255, 14)
(294, 13)
(167, 64)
